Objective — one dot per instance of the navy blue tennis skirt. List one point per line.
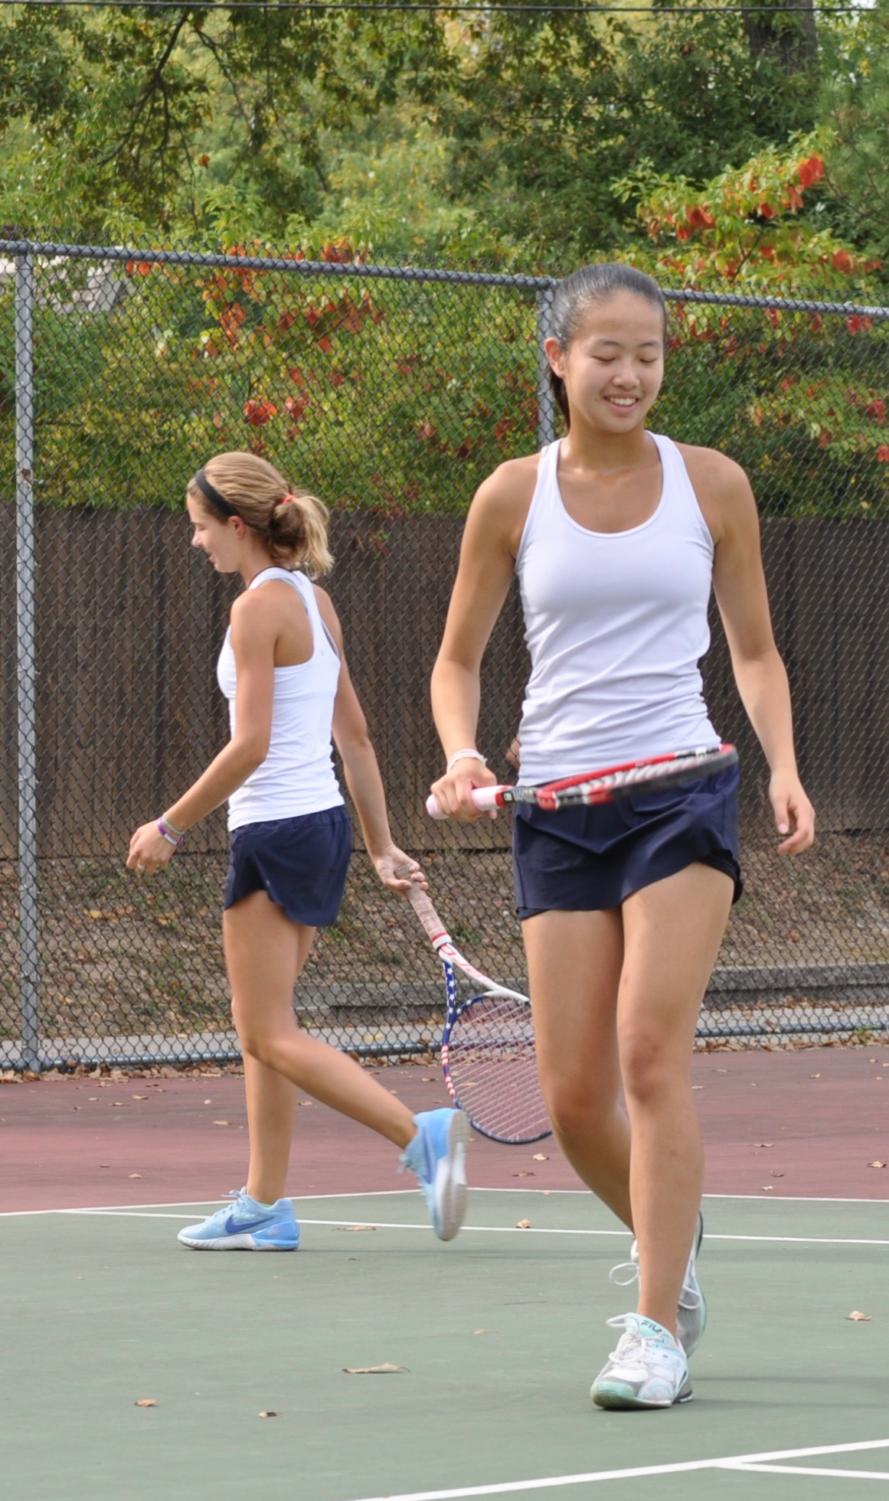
(300, 863)
(589, 859)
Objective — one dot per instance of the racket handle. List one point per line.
(422, 905)
(484, 798)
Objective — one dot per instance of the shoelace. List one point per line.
(631, 1340)
(627, 1272)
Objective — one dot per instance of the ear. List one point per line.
(238, 526)
(555, 354)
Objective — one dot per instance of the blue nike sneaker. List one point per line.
(437, 1155)
(245, 1225)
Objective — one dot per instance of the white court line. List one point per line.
(385, 1193)
(592, 1477)
(751, 1469)
(778, 1240)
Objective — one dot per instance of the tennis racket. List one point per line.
(487, 1047)
(607, 784)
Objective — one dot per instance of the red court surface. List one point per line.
(812, 1122)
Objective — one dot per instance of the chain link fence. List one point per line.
(391, 393)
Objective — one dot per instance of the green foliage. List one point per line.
(381, 395)
(855, 98)
(804, 398)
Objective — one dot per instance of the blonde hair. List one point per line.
(291, 522)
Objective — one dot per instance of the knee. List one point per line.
(259, 1042)
(648, 1067)
(577, 1108)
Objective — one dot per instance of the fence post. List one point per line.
(546, 404)
(26, 661)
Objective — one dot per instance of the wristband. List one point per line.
(167, 832)
(469, 753)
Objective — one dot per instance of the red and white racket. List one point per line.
(607, 784)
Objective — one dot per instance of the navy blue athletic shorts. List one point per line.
(589, 859)
(300, 863)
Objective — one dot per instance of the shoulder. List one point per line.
(509, 484)
(328, 613)
(722, 488)
(501, 503)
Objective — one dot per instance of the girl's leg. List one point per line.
(672, 932)
(271, 1100)
(574, 967)
(262, 956)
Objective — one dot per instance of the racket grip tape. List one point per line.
(422, 905)
(483, 797)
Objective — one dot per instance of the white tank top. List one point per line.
(615, 624)
(297, 775)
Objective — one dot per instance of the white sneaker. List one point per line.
(691, 1313)
(648, 1369)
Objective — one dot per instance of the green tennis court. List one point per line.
(257, 1366)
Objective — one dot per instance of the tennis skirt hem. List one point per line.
(300, 863)
(592, 859)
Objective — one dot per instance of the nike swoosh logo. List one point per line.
(237, 1227)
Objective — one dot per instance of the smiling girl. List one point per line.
(282, 668)
(616, 535)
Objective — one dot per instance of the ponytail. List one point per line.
(291, 522)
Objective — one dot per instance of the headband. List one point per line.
(213, 495)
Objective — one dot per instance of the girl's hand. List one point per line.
(149, 851)
(398, 871)
(794, 814)
(454, 788)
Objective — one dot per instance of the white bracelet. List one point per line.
(469, 753)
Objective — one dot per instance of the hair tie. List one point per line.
(289, 498)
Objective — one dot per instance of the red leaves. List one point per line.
(699, 217)
(883, 453)
(258, 413)
(842, 261)
(810, 171)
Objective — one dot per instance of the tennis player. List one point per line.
(283, 670)
(615, 535)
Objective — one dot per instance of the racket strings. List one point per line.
(491, 1063)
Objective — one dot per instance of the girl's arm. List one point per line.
(362, 773)
(484, 574)
(255, 624)
(740, 588)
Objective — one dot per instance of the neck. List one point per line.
(254, 565)
(591, 448)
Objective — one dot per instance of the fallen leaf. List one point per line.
(858, 1317)
(526, 1174)
(540, 1157)
(876, 1163)
(479, 1331)
(765, 1143)
(386, 1369)
(145, 1402)
(768, 1188)
(134, 1175)
(814, 1076)
(523, 1224)
(268, 1414)
(220, 1123)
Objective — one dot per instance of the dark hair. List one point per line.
(573, 296)
(291, 522)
